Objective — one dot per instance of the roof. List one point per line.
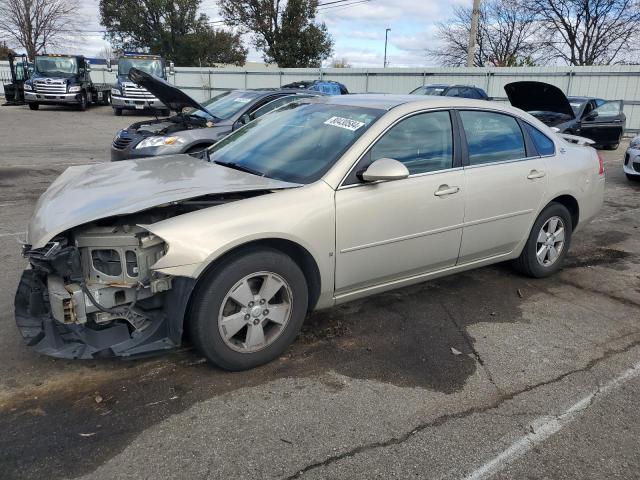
(387, 102)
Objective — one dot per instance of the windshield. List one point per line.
(297, 143)
(56, 66)
(226, 105)
(428, 91)
(152, 66)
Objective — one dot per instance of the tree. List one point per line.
(284, 30)
(506, 36)
(589, 32)
(171, 28)
(5, 51)
(37, 25)
(340, 63)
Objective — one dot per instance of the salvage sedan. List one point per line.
(594, 118)
(322, 202)
(195, 126)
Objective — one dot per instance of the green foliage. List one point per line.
(171, 28)
(285, 31)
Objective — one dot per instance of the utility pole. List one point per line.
(473, 33)
(386, 38)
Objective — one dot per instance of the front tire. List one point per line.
(633, 178)
(117, 112)
(249, 309)
(82, 106)
(548, 242)
(34, 106)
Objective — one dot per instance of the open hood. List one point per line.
(86, 193)
(538, 97)
(172, 97)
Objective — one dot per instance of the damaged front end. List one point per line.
(92, 293)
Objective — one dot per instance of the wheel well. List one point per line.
(198, 145)
(572, 205)
(299, 254)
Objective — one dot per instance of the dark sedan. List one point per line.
(602, 121)
(195, 126)
(443, 90)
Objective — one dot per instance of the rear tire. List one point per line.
(612, 146)
(228, 323)
(34, 106)
(633, 178)
(117, 112)
(548, 242)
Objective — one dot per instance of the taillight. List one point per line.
(601, 165)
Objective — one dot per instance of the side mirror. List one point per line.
(172, 70)
(87, 67)
(109, 69)
(385, 169)
(244, 119)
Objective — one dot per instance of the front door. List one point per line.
(505, 185)
(390, 230)
(604, 124)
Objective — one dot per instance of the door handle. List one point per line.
(446, 190)
(533, 174)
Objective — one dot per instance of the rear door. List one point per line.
(506, 180)
(604, 124)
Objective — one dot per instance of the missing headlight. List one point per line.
(107, 262)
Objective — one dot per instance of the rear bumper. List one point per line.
(47, 336)
(136, 104)
(53, 99)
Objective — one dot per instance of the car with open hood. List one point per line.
(195, 126)
(324, 201)
(599, 120)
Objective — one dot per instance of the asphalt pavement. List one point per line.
(485, 374)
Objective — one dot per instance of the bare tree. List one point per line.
(340, 63)
(36, 25)
(589, 32)
(506, 36)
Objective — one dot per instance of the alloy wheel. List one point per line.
(255, 312)
(550, 241)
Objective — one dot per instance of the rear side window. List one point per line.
(492, 137)
(543, 144)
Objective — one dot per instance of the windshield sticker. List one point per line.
(242, 100)
(345, 123)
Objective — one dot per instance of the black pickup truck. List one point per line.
(63, 80)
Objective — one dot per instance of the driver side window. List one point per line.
(423, 143)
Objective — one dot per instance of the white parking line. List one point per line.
(545, 427)
(12, 234)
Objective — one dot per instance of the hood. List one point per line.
(87, 193)
(538, 97)
(171, 96)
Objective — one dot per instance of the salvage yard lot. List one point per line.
(455, 378)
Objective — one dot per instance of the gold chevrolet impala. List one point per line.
(323, 201)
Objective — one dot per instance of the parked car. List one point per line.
(444, 90)
(322, 202)
(328, 87)
(599, 120)
(195, 126)
(631, 165)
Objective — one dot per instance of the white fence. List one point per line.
(620, 82)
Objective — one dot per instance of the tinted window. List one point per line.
(453, 92)
(492, 137)
(227, 104)
(424, 143)
(543, 144)
(428, 90)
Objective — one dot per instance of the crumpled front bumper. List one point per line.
(74, 341)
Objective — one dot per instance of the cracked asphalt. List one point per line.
(478, 375)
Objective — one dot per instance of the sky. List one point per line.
(358, 30)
